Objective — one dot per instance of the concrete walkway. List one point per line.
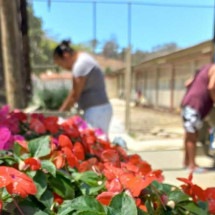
(164, 154)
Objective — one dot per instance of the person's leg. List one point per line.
(192, 123)
(99, 116)
(190, 149)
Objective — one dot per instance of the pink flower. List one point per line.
(5, 138)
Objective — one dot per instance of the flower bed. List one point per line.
(67, 168)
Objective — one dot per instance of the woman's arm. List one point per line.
(188, 82)
(74, 94)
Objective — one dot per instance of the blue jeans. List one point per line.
(99, 116)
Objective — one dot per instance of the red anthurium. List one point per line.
(110, 155)
(143, 166)
(210, 198)
(33, 163)
(20, 116)
(191, 189)
(23, 143)
(58, 198)
(89, 136)
(37, 126)
(134, 159)
(105, 197)
(114, 185)
(16, 182)
(71, 130)
(66, 147)
(140, 204)
(51, 124)
(78, 151)
(106, 144)
(130, 180)
(87, 165)
(58, 158)
(64, 141)
(129, 167)
(70, 157)
(122, 153)
(133, 182)
(111, 172)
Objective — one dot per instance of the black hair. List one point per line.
(63, 47)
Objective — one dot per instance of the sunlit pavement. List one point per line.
(165, 154)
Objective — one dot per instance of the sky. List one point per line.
(151, 24)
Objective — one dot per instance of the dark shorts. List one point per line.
(192, 121)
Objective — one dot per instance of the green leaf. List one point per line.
(17, 149)
(165, 188)
(65, 208)
(149, 207)
(112, 211)
(90, 213)
(178, 196)
(28, 207)
(62, 186)
(49, 167)
(124, 203)
(40, 182)
(87, 203)
(140, 212)
(89, 177)
(194, 209)
(40, 147)
(47, 199)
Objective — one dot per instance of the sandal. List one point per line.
(197, 170)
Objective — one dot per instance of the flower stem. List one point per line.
(19, 209)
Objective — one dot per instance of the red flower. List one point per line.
(140, 204)
(16, 182)
(51, 124)
(111, 172)
(33, 163)
(67, 147)
(70, 129)
(58, 198)
(23, 143)
(58, 159)
(114, 185)
(210, 198)
(136, 182)
(193, 190)
(105, 197)
(110, 155)
(19, 115)
(37, 126)
(87, 165)
(78, 150)
(142, 166)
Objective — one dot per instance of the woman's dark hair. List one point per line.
(63, 47)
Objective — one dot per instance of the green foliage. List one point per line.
(39, 147)
(90, 183)
(124, 204)
(48, 99)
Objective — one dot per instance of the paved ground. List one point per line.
(158, 137)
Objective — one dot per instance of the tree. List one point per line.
(27, 83)
(12, 52)
(110, 49)
(2, 85)
(165, 48)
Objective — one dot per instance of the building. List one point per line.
(161, 80)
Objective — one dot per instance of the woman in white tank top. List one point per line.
(88, 86)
